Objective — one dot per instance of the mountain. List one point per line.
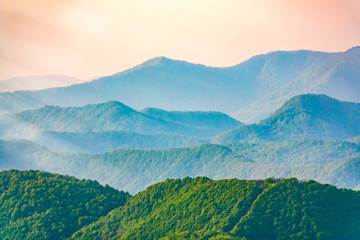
(234, 209)
(109, 116)
(106, 141)
(253, 89)
(303, 116)
(37, 83)
(333, 162)
(214, 120)
(41, 205)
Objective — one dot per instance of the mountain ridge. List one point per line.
(171, 84)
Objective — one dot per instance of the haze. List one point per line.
(89, 38)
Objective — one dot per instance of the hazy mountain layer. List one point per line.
(332, 162)
(213, 120)
(253, 89)
(101, 142)
(110, 116)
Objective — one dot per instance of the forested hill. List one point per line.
(41, 205)
(305, 116)
(233, 209)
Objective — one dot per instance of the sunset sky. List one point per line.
(89, 38)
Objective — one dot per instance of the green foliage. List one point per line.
(233, 209)
(184, 208)
(41, 205)
(302, 211)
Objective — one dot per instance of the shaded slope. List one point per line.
(233, 209)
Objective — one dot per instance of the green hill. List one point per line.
(303, 116)
(41, 205)
(233, 209)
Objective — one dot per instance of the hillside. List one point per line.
(109, 116)
(134, 170)
(304, 116)
(41, 205)
(233, 209)
(253, 89)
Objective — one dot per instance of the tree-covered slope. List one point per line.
(41, 205)
(201, 208)
(303, 116)
(256, 87)
(109, 116)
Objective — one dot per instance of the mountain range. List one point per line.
(334, 162)
(250, 90)
(113, 116)
(152, 138)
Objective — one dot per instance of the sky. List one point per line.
(90, 38)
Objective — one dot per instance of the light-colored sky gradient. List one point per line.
(88, 38)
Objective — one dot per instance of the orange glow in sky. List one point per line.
(89, 38)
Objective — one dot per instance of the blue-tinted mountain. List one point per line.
(253, 89)
(304, 116)
(213, 120)
(109, 116)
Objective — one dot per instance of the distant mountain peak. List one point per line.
(356, 48)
